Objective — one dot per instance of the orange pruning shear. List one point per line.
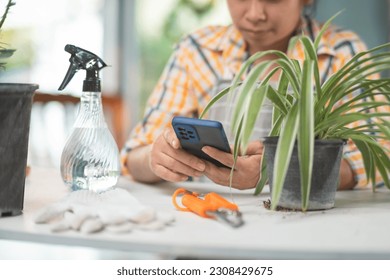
(210, 205)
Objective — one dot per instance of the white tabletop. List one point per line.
(357, 228)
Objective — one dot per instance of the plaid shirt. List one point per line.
(216, 53)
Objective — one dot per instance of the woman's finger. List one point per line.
(170, 136)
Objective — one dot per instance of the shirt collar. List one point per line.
(229, 37)
(312, 28)
(230, 42)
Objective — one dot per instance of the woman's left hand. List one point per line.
(246, 171)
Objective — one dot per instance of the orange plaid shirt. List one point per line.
(216, 53)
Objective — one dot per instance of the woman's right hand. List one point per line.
(170, 162)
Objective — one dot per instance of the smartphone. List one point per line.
(194, 134)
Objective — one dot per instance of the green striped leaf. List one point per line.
(283, 153)
(306, 131)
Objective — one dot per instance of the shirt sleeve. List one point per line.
(173, 95)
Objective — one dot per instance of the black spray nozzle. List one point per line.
(83, 59)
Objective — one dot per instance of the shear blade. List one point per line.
(232, 218)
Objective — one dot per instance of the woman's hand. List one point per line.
(171, 163)
(247, 169)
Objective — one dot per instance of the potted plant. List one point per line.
(305, 115)
(15, 113)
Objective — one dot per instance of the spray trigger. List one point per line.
(86, 60)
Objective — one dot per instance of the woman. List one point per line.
(214, 54)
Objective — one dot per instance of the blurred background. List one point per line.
(135, 37)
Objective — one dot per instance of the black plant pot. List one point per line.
(325, 176)
(15, 113)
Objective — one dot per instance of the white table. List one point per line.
(357, 228)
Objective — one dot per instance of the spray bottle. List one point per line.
(90, 159)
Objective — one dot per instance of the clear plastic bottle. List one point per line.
(90, 159)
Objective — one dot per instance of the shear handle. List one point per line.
(211, 202)
(178, 192)
(216, 202)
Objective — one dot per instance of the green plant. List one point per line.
(7, 8)
(305, 110)
(5, 52)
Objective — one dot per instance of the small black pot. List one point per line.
(15, 112)
(325, 177)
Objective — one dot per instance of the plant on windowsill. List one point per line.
(5, 52)
(305, 115)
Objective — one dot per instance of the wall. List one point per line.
(369, 18)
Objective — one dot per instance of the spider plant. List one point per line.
(5, 52)
(304, 109)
